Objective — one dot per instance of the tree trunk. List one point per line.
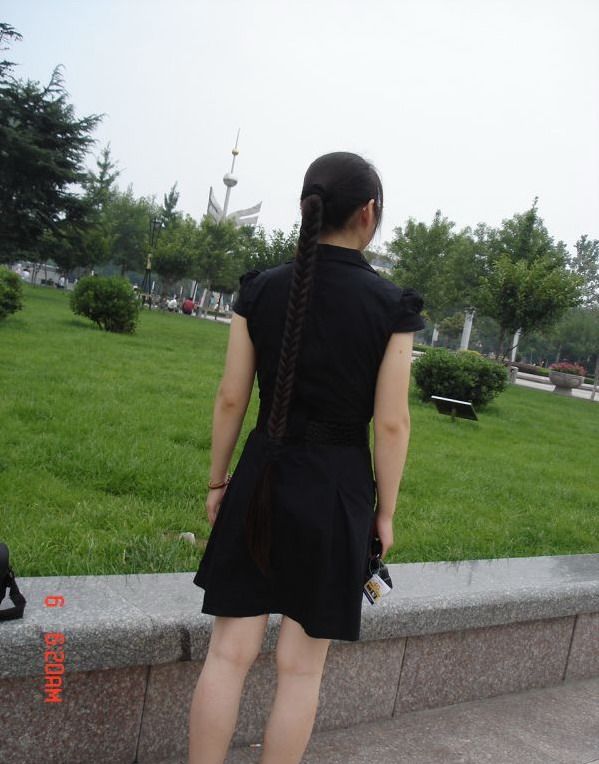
(559, 350)
(596, 380)
(35, 272)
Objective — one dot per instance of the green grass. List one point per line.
(105, 451)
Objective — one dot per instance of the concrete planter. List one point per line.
(564, 382)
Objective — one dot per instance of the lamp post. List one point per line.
(146, 284)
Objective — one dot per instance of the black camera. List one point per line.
(7, 581)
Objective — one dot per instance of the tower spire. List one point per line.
(229, 179)
(245, 217)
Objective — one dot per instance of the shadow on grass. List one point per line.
(79, 324)
(14, 321)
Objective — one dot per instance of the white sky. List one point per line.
(469, 106)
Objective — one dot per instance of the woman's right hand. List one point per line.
(213, 502)
(383, 526)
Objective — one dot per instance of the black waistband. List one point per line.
(325, 432)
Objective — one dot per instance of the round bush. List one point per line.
(464, 375)
(11, 292)
(108, 300)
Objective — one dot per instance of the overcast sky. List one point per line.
(465, 106)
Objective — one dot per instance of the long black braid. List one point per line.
(355, 181)
(259, 518)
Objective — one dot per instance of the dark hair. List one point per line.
(335, 185)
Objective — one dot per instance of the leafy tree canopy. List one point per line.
(526, 283)
(43, 146)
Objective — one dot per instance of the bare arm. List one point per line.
(232, 399)
(392, 420)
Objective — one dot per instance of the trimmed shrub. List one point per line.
(464, 375)
(11, 292)
(109, 301)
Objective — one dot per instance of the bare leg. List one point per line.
(300, 662)
(234, 645)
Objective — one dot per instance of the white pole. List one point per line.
(515, 342)
(202, 309)
(232, 182)
(226, 207)
(465, 341)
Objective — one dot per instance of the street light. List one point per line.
(146, 284)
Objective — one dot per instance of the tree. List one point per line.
(88, 247)
(220, 255)
(175, 252)
(586, 264)
(420, 261)
(128, 221)
(262, 250)
(168, 213)
(42, 146)
(100, 185)
(7, 32)
(451, 327)
(576, 336)
(443, 265)
(526, 284)
(216, 242)
(281, 246)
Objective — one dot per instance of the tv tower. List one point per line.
(248, 216)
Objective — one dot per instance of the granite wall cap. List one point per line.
(148, 618)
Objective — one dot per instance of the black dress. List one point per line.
(324, 495)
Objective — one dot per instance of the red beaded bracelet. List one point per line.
(221, 485)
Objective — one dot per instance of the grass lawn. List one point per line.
(105, 449)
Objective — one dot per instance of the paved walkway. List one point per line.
(540, 726)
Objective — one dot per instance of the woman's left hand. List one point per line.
(213, 502)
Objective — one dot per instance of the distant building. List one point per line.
(380, 262)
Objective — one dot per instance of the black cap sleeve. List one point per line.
(243, 303)
(405, 311)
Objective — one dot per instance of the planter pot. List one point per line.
(564, 383)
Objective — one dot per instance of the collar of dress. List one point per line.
(342, 255)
